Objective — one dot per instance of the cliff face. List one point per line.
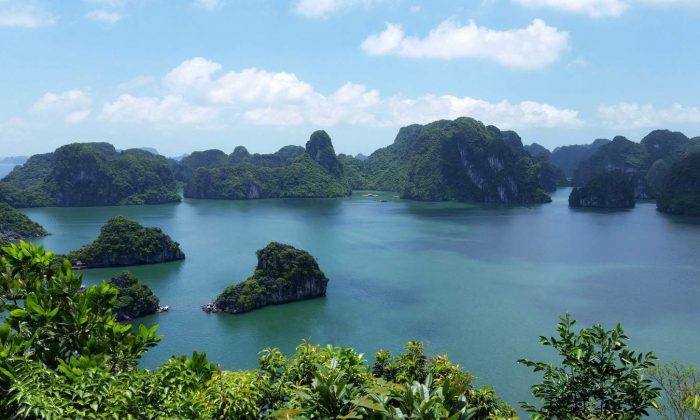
(320, 148)
(123, 242)
(608, 190)
(283, 274)
(135, 299)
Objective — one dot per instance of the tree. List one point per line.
(599, 376)
(680, 386)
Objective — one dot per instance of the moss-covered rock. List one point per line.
(611, 190)
(283, 274)
(135, 299)
(124, 242)
(16, 225)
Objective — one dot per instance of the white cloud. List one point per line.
(530, 48)
(325, 8)
(72, 105)
(593, 8)
(199, 93)
(629, 115)
(170, 110)
(26, 14)
(209, 4)
(104, 16)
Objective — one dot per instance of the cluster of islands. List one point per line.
(460, 160)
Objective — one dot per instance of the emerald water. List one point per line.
(476, 282)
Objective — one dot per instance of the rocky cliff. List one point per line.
(124, 242)
(611, 190)
(283, 274)
(681, 191)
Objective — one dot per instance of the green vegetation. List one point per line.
(90, 174)
(569, 157)
(606, 190)
(283, 274)
(124, 242)
(65, 355)
(680, 388)
(460, 160)
(134, 300)
(599, 377)
(15, 225)
(681, 191)
(292, 172)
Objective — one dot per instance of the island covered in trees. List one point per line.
(124, 242)
(283, 274)
(446, 160)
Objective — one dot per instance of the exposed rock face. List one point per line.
(15, 225)
(135, 299)
(320, 148)
(283, 274)
(611, 190)
(123, 242)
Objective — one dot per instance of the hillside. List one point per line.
(90, 174)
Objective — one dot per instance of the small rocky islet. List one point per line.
(124, 242)
(135, 299)
(15, 225)
(283, 274)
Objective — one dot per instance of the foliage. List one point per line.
(599, 376)
(90, 174)
(125, 242)
(569, 157)
(64, 355)
(135, 299)
(681, 191)
(15, 225)
(680, 387)
(606, 190)
(283, 274)
(460, 160)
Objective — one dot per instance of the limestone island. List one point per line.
(124, 242)
(609, 190)
(15, 225)
(135, 299)
(283, 274)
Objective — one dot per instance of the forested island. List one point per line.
(124, 242)
(135, 299)
(90, 174)
(15, 225)
(283, 274)
(458, 160)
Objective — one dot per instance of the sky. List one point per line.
(184, 75)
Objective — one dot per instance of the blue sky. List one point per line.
(183, 75)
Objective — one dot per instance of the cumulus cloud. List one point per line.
(169, 110)
(530, 48)
(198, 92)
(593, 8)
(72, 105)
(24, 14)
(630, 115)
(325, 8)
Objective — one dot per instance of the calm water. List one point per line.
(480, 284)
